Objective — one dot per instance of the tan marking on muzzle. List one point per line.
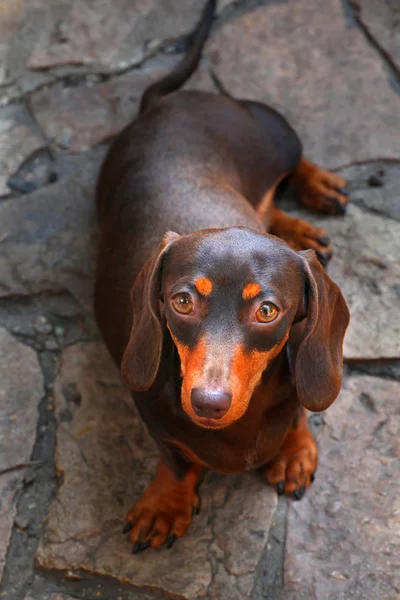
(246, 373)
(243, 373)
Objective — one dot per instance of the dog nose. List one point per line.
(210, 404)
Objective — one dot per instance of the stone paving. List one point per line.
(73, 453)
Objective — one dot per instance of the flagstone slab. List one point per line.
(49, 238)
(78, 32)
(343, 538)
(34, 596)
(19, 139)
(19, 400)
(11, 15)
(319, 72)
(106, 458)
(77, 118)
(382, 19)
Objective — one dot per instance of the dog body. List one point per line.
(204, 177)
(169, 172)
(223, 332)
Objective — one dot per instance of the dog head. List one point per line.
(231, 300)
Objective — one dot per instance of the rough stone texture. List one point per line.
(366, 262)
(355, 120)
(18, 140)
(21, 389)
(30, 596)
(49, 239)
(382, 19)
(343, 537)
(322, 75)
(382, 199)
(80, 117)
(106, 459)
(10, 20)
(58, 34)
(93, 33)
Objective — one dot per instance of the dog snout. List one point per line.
(210, 404)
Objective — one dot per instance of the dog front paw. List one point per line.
(293, 470)
(164, 512)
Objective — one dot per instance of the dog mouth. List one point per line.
(208, 423)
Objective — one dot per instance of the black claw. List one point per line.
(127, 527)
(280, 488)
(339, 209)
(342, 191)
(196, 510)
(312, 477)
(171, 540)
(324, 241)
(140, 546)
(298, 494)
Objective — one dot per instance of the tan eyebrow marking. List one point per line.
(251, 290)
(203, 286)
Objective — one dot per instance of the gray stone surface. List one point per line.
(106, 459)
(77, 118)
(382, 20)
(18, 139)
(21, 390)
(343, 537)
(382, 199)
(322, 75)
(30, 596)
(100, 33)
(10, 20)
(366, 261)
(340, 103)
(49, 238)
(42, 40)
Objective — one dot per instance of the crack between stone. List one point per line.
(64, 581)
(38, 488)
(269, 572)
(355, 163)
(19, 466)
(394, 70)
(360, 203)
(387, 368)
(74, 78)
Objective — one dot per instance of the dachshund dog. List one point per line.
(224, 332)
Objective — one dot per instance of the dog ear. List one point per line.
(318, 349)
(142, 355)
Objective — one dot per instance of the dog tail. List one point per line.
(186, 66)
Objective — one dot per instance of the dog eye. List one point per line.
(266, 313)
(183, 303)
